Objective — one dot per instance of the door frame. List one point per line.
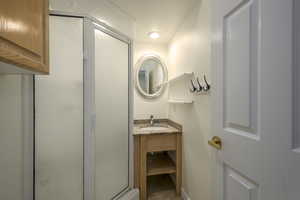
(216, 167)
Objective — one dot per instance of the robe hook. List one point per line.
(207, 85)
(200, 87)
(193, 89)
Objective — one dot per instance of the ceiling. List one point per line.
(163, 16)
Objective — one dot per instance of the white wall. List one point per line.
(190, 51)
(158, 107)
(16, 136)
(11, 138)
(103, 10)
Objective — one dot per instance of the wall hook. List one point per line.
(193, 89)
(207, 86)
(200, 87)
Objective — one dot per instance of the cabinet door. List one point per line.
(24, 34)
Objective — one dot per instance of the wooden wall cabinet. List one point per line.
(24, 33)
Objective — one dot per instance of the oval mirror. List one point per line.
(151, 76)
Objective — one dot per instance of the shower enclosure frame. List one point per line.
(89, 24)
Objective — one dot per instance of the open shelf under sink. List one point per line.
(160, 164)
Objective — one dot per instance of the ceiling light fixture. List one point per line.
(154, 35)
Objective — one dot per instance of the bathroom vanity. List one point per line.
(157, 151)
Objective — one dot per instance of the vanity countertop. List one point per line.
(161, 126)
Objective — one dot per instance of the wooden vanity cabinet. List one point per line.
(163, 164)
(24, 34)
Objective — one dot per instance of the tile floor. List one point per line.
(161, 188)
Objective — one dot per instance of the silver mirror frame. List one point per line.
(138, 67)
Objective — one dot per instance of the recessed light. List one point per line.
(154, 35)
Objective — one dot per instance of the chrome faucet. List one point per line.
(151, 120)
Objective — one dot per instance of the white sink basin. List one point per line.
(154, 128)
(157, 128)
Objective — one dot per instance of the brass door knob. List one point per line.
(216, 142)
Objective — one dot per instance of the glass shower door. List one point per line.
(112, 117)
(59, 115)
(107, 114)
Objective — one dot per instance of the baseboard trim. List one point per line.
(184, 195)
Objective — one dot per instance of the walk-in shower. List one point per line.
(83, 113)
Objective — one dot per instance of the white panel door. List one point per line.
(252, 67)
